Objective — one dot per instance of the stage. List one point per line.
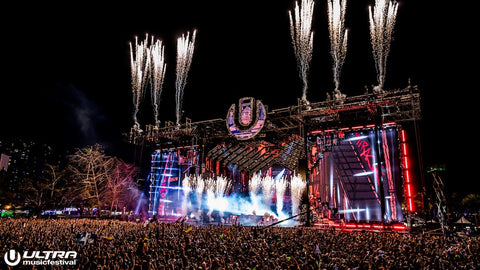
(353, 155)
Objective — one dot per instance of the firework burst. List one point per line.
(268, 184)
(185, 46)
(302, 39)
(139, 65)
(157, 75)
(338, 38)
(280, 187)
(382, 21)
(297, 187)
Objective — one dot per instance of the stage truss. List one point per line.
(289, 132)
(394, 106)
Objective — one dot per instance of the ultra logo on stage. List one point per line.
(250, 119)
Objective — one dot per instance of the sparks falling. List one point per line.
(338, 38)
(185, 46)
(157, 75)
(139, 65)
(268, 184)
(253, 187)
(297, 187)
(302, 39)
(280, 187)
(382, 21)
(187, 189)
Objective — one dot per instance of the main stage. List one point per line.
(354, 155)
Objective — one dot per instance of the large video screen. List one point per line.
(345, 176)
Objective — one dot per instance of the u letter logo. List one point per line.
(249, 120)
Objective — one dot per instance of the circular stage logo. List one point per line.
(250, 120)
(12, 257)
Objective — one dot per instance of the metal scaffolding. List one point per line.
(397, 106)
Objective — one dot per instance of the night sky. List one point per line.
(67, 79)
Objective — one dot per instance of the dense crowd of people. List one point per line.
(104, 244)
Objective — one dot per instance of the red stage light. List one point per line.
(350, 226)
(399, 227)
(406, 170)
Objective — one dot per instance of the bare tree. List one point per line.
(90, 168)
(33, 194)
(54, 184)
(121, 188)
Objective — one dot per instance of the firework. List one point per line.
(254, 184)
(222, 185)
(302, 39)
(253, 187)
(210, 192)
(268, 183)
(338, 38)
(199, 187)
(280, 187)
(382, 21)
(297, 187)
(139, 65)
(187, 189)
(157, 75)
(185, 46)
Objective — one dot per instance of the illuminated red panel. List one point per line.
(406, 170)
(410, 204)
(404, 148)
(405, 162)
(399, 227)
(350, 226)
(402, 135)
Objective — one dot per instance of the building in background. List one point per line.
(23, 159)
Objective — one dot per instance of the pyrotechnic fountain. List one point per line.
(382, 21)
(338, 40)
(185, 46)
(253, 187)
(302, 39)
(280, 187)
(268, 184)
(216, 194)
(297, 187)
(139, 65)
(199, 188)
(157, 75)
(222, 185)
(187, 189)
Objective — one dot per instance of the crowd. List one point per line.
(103, 244)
